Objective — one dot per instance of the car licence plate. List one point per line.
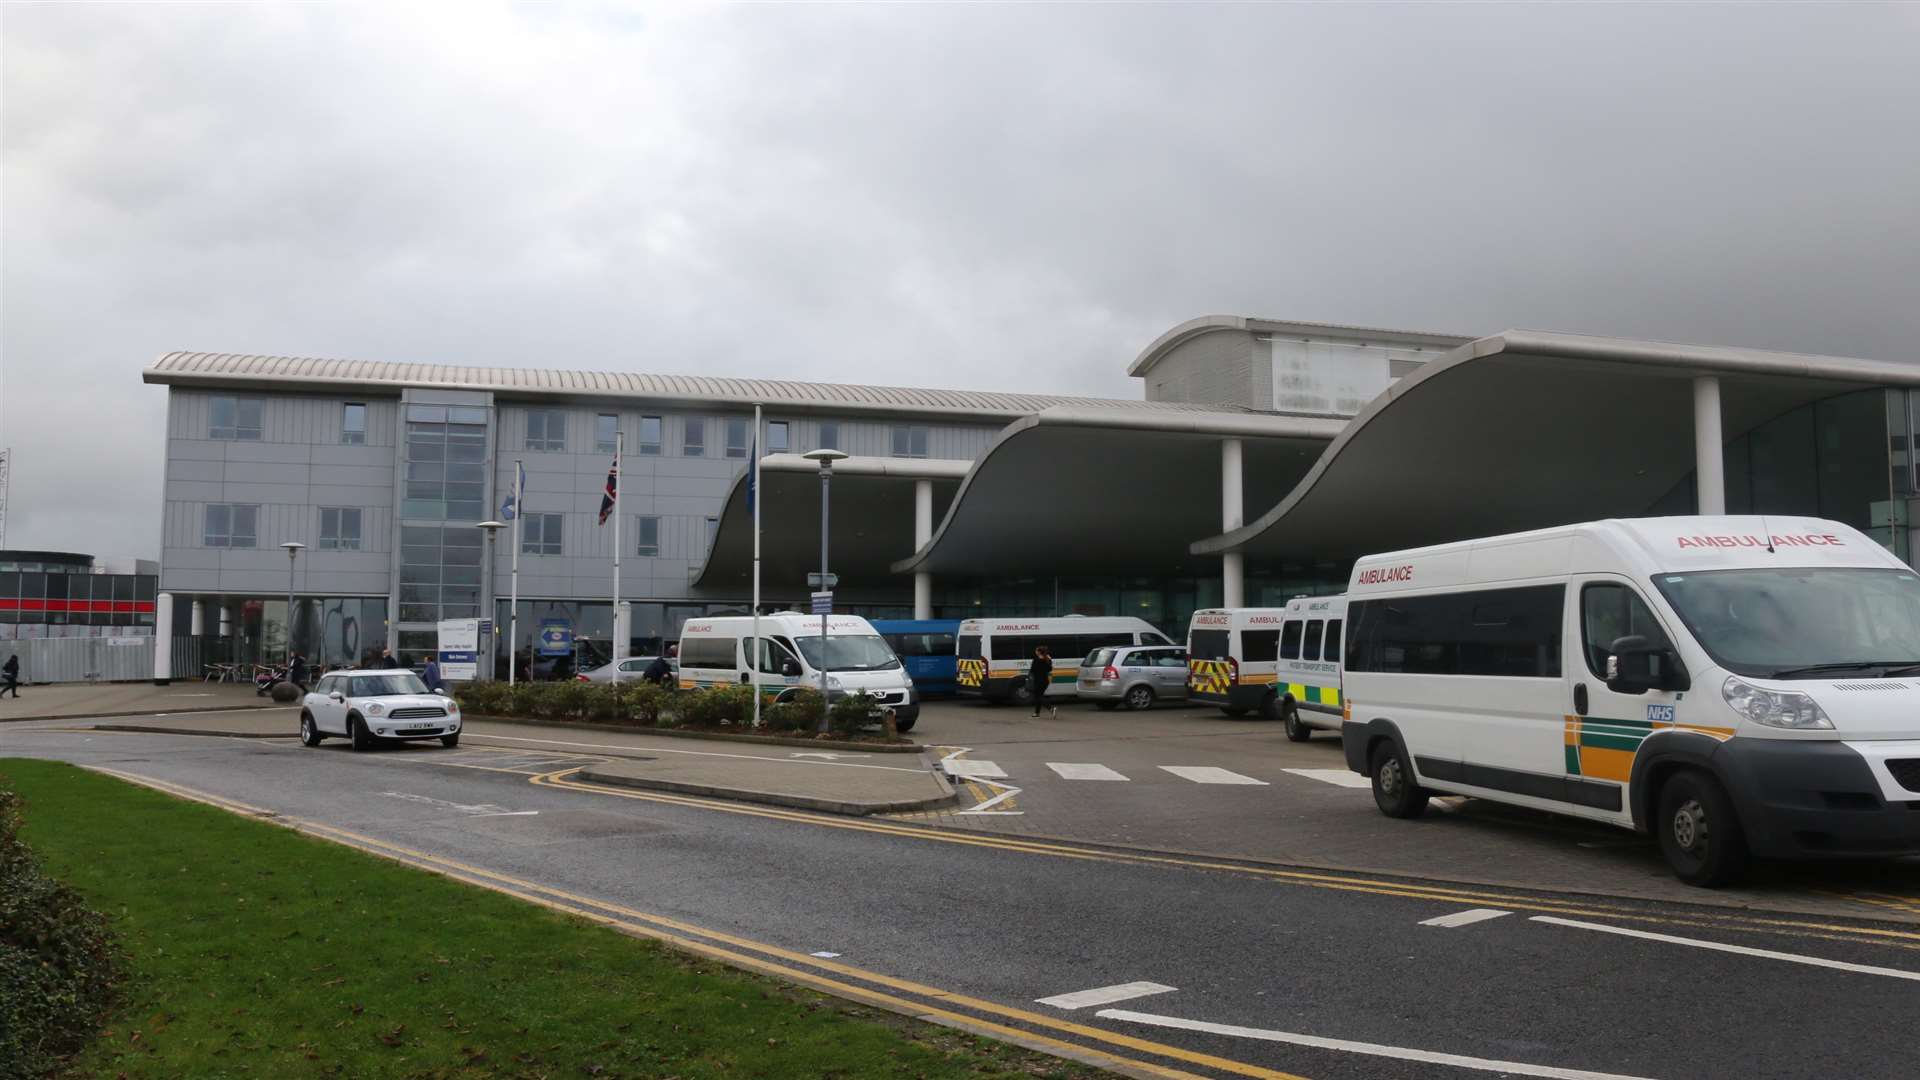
(415, 729)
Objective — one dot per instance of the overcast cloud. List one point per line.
(983, 196)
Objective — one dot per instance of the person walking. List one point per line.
(387, 660)
(10, 676)
(432, 676)
(297, 673)
(1039, 677)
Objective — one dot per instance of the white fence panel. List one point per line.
(83, 659)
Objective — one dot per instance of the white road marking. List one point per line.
(1071, 771)
(1431, 1057)
(1104, 995)
(1007, 791)
(824, 955)
(473, 809)
(815, 754)
(1742, 950)
(1207, 774)
(1464, 918)
(974, 770)
(1336, 777)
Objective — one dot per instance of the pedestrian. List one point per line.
(10, 676)
(657, 672)
(1039, 677)
(297, 672)
(432, 675)
(387, 660)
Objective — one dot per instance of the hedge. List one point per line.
(58, 960)
(646, 705)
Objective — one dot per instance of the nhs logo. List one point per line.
(1660, 714)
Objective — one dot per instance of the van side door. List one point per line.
(1604, 729)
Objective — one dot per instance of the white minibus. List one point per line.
(993, 654)
(1283, 663)
(1733, 685)
(714, 652)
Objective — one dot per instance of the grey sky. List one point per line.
(985, 196)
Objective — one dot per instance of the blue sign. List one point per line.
(1660, 714)
(555, 638)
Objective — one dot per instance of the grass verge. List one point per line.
(258, 952)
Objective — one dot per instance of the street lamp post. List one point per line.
(826, 458)
(492, 529)
(293, 549)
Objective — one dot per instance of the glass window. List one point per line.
(777, 437)
(1208, 644)
(1768, 623)
(737, 438)
(829, 435)
(713, 531)
(339, 528)
(606, 428)
(650, 429)
(353, 423)
(695, 442)
(445, 471)
(968, 647)
(230, 526)
(431, 414)
(909, 441)
(1260, 646)
(1290, 640)
(393, 682)
(1170, 659)
(1310, 643)
(649, 530)
(540, 534)
(709, 652)
(234, 418)
(1334, 641)
(1608, 613)
(546, 429)
(1508, 632)
(849, 652)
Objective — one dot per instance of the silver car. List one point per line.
(1135, 676)
(630, 669)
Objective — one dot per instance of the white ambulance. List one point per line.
(995, 655)
(715, 652)
(1733, 685)
(1283, 663)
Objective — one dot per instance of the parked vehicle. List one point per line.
(1134, 677)
(715, 651)
(1283, 663)
(993, 654)
(371, 707)
(926, 646)
(1735, 685)
(630, 670)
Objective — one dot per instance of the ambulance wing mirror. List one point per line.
(1636, 665)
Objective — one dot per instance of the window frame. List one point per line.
(644, 524)
(785, 441)
(340, 540)
(913, 433)
(230, 533)
(610, 445)
(544, 544)
(546, 442)
(827, 435)
(238, 430)
(693, 436)
(351, 435)
(741, 426)
(653, 447)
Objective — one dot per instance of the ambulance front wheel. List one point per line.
(1699, 831)
(1394, 789)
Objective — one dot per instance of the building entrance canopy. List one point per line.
(1528, 429)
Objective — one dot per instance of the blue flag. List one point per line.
(511, 507)
(753, 472)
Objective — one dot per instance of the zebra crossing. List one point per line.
(978, 769)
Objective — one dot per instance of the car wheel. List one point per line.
(450, 741)
(1394, 790)
(1140, 697)
(362, 738)
(1699, 831)
(1297, 730)
(309, 731)
(1021, 694)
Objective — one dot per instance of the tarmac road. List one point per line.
(1222, 969)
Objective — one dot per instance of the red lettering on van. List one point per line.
(1385, 574)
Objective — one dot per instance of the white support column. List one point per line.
(163, 639)
(199, 627)
(922, 532)
(1233, 567)
(1709, 465)
(228, 618)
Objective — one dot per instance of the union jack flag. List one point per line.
(613, 485)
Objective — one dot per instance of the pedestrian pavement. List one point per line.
(62, 700)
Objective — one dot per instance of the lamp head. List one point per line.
(826, 457)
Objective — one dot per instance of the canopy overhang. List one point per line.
(1528, 429)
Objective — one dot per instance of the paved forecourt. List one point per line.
(1190, 779)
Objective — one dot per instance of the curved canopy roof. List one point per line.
(289, 372)
(1081, 491)
(1527, 429)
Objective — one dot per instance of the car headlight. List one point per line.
(452, 707)
(1789, 709)
(376, 709)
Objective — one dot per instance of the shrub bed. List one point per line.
(58, 961)
(643, 705)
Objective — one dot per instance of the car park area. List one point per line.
(1189, 779)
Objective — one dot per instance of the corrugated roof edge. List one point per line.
(267, 372)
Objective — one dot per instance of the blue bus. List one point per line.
(926, 647)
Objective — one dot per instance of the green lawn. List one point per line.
(258, 952)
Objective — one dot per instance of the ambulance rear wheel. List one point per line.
(1699, 831)
(1297, 730)
(1394, 789)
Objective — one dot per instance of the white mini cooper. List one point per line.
(371, 707)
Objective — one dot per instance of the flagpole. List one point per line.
(513, 610)
(619, 444)
(753, 487)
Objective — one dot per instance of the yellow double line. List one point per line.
(1787, 927)
(908, 998)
